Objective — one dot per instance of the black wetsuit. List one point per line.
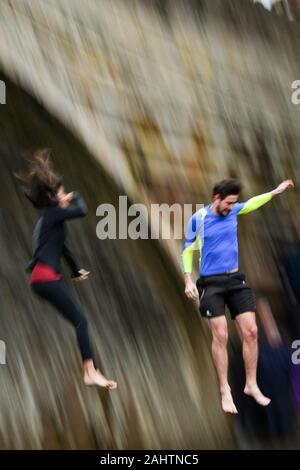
(48, 249)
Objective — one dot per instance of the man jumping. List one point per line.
(213, 230)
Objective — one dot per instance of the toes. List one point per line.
(112, 385)
(258, 397)
(264, 401)
(233, 410)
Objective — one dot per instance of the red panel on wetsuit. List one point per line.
(43, 273)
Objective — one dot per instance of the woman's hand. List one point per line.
(63, 198)
(83, 275)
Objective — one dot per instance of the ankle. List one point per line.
(88, 367)
(225, 389)
(251, 384)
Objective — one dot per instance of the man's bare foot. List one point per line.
(227, 402)
(96, 378)
(254, 392)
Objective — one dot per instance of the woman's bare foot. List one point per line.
(254, 392)
(95, 377)
(227, 402)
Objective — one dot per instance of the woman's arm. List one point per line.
(71, 262)
(59, 214)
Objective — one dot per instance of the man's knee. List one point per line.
(220, 335)
(250, 332)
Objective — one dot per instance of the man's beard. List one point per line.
(221, 213)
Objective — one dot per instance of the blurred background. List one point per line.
(156, 100)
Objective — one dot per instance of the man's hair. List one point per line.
(227, 187)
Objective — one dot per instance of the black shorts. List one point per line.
(225, 289)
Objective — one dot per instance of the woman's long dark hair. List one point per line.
(40, 183)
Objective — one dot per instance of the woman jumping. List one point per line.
(44, 188)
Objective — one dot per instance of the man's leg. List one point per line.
(219, 352)
(246, 325)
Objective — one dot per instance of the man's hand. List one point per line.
(287, 184)
(191, 290)
(83, 275)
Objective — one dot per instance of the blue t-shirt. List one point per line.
(216, 237)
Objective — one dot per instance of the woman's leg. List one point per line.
(59, 297)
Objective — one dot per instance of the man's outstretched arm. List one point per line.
(258, 201)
